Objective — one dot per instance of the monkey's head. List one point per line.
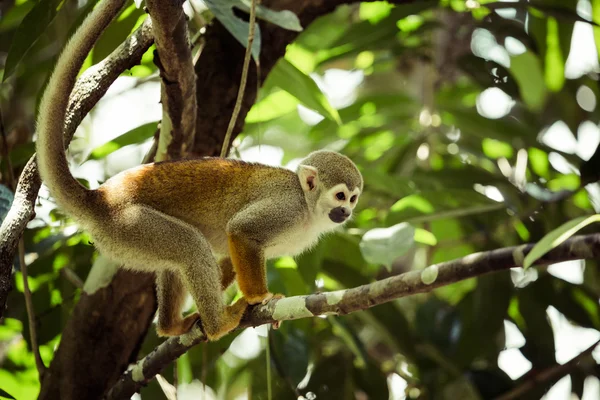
(331, 184)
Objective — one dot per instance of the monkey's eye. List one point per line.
(353, 199)
(341, 196)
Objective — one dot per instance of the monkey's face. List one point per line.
(339, 202)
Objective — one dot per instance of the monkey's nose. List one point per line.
(339, 214)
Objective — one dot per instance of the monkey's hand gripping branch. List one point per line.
(360, 298)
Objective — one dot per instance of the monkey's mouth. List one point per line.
(339, 214)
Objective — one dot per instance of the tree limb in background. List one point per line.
(550, 374)
(90, 87)
(343, 302)
(178, 79)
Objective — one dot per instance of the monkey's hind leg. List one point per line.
(145, 236)
(171, 296)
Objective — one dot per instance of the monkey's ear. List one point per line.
(308, 177)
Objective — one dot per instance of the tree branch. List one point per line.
(178, 79)
(90, 87)
(552, 373)
(343, 302)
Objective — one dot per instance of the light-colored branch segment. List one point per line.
(178, 79)
(90, 87)
(360, 298)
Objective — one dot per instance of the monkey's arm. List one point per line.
(249, 233)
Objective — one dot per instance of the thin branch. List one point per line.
(178, 80)
(552, 373)
(72, 277)
(243, 80)
(30, 313)
(90, 87)
(342, 302)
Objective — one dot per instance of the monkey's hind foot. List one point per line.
(179, 328)
(263, 298)
(230, 320)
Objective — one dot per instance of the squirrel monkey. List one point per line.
(177, 218)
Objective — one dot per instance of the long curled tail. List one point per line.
(51, 158)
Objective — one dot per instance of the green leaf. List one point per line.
(557, 236)
(14, 16)
(223, 11)
(489, 74)
(3, 394)
(482, 315)
(381, 246)
(596, 19)
(590, 169)
(284, 18)
(134, 136)
(555, 59)
(28, 32)
(430, 206)
(496, 148)
(289, 78)
(240, 29)
(527, 70)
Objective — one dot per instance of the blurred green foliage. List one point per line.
(445, 107)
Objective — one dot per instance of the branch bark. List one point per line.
(343, 302)
(178, 80)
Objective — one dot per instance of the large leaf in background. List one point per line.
(331, 378)
(430, 206)
(371, 380)
(223, 11)
(470, 122)
(289, 78)
(368, 36)
(343, 248)
(434, 322)
(489, 74)
(539, 346)
(482, 315)
(309, 265)
(590, 169)
(551, 24)
(391, 321)
(557, 236)
(49, 321)
(293, 347)
(381, 182)
(14, 16)
(363, 112)
(527, 71)
(134, 136)
(381, 246)
(503, 28)
(30, 29)
(260, 387)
